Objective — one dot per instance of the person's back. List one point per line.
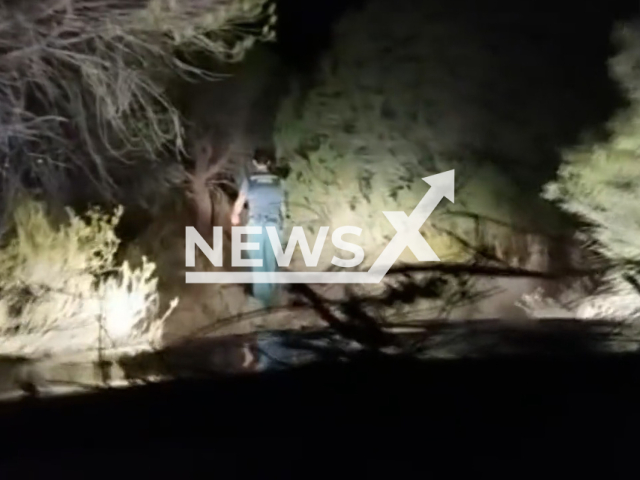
(263, 193)
(265, 197)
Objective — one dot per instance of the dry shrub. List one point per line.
(62, 289)
(83, 83)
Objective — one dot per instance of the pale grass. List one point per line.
(63, 291)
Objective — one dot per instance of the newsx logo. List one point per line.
(407, 235)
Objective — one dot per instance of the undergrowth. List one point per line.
(62, 289)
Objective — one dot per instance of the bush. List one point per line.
(61, 288)
(599, 181)
(360, 141)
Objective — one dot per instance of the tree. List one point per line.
(84, 89)
(88, 114)
(360, 141)
(599, 182)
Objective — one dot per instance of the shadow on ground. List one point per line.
(564, 402)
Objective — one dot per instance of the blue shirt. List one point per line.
(265, 196)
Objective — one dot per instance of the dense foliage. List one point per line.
(361, 140)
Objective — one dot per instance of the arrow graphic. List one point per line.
(408, 228)
(407, 235)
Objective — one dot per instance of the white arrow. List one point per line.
(408, 228)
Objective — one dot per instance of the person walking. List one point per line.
(263, 193)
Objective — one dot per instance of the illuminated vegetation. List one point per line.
(361, 140)
(62, 289)
(87, 116)
(599, 182)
